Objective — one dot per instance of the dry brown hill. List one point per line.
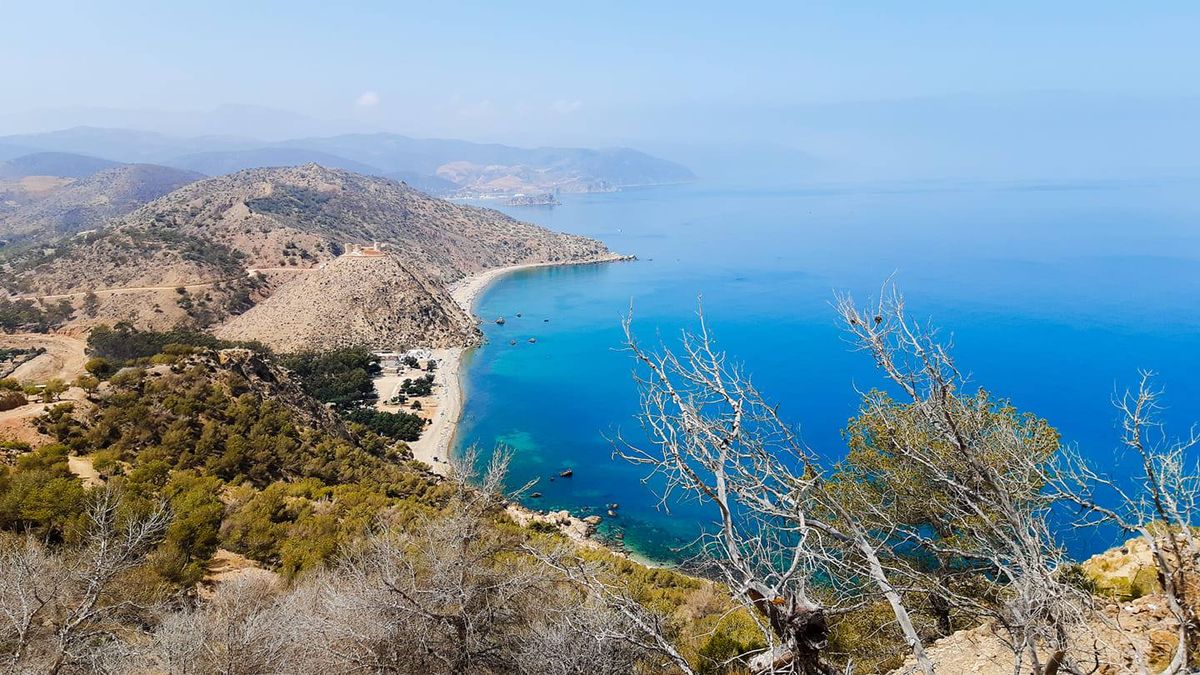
(73, 206)
(379, 301)
(229, 243)
(317, 211)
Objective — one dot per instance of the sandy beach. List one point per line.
(434, 446)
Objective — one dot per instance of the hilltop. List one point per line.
(68, 203)
(216, 248)
(63, 164)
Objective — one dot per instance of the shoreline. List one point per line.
(437, 440)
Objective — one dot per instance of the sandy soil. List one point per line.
(190, 286)
(41, 186)
(104, 292)
(64, 357)
(82, 467)
(18, 424)
(227, 566)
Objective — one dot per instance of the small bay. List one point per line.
(1055, 295)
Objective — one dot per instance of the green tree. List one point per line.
(91, 304)
(344, 377)
(40, 495)
(192, 536)
(913, 495)
(53, 389)
(88, 383)
(100, 367)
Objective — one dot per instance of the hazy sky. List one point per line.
(584, 73)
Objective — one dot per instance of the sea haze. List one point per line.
(1055, 295)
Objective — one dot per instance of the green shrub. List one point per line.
(12, 399)
(401, 426)
(343, 377)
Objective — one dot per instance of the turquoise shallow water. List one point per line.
(1055, 294)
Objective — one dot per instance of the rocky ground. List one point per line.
(378, 301)
(1133, 632)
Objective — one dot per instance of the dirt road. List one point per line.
(100, 292)
(64, 357)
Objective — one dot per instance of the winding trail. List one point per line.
(121, 290)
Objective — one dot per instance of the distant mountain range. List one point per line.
(439, 166)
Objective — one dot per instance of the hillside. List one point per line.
(121, 145)
(428, 184)
(70, 206)
(64, 164)
(218, 247)
(10, 151)
(376, 300)
(305, 215)
(357, 554)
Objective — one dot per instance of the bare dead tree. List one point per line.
(625, 620)
(596, 628)
(246, 626)
(115, 545)
(986, 470)
(714, 439)
(65, 609)
(447, 595)
(30, 581)
(1159, 505)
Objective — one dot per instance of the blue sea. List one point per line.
(1055, 295)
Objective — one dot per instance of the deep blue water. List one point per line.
(1055, 295)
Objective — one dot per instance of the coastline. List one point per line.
(437, 441)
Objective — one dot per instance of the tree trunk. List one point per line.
(804, 631)
(940, 608)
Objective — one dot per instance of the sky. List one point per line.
(816, 78)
